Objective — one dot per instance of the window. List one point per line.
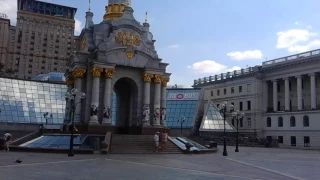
(279, 106)
(241, 122)
(280, 122)
(218, 105)
(280, 139)
(218, 92)
(232, 121)
(224, 91)
(302, 103)
(268, 122)
(240, 108)
(301, 83)
(293, 141)
(249, 122)
(306, 141)
(289, 85)
(232, 90)
(278, 87)
(240, 89)
(211, 93)
(232, 104)
(248, 105)
(292, 121)
(305, 121)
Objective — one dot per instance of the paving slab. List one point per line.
(249, 163)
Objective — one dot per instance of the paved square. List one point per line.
(249, 163)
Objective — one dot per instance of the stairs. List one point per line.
(138, 144)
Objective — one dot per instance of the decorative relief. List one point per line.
(109, 72)
(69, 81)
(130, 54)
(157, 79)
(163, 116)
(96, 72)
(146, 114)
(78, 73)
(147, 77)
(164, 81)
(128, 39)
(106, 115)
(94, 110)
(83, 43)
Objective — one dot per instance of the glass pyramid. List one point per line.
(212, 119)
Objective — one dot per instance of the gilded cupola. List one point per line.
(115, 9)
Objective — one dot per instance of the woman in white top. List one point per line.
(156, 142)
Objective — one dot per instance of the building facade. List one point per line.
(280, 99)
(118, 56)
(41, 41)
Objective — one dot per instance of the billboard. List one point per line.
(183, 96)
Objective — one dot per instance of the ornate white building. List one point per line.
(280, 99)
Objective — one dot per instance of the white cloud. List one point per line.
(9, 7)
(174, 46)
(296, 23)
(309, 27)
(297, 40)
(211, 67)
(245, 55)
(291, 37)
(77, 27)
(233, 69)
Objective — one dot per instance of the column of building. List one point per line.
(78, 76)
(299, 92)
(265, 96)
(157, 98)
(287, 94)
(146, 99)
(313, 94)
(70, 83)
(275, 95)
(96, 73)
(107, 118)
(163, 107)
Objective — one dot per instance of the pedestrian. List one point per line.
(156, 142)
(165, 139)
(160, 139)
(8, 138)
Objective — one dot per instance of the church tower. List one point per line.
(115, 9)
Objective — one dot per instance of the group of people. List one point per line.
(4, 141)
(160, 139)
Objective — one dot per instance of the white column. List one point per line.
(286, 94)
(96, 72)
(313, 91)
(265, 96)
(157, 98)
(78, 75)
(146, 100)
(299, 92)
(107, 117)
(275, 95)
(163, 102)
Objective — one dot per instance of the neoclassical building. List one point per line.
(118, 55)
(280, 98)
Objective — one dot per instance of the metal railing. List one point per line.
(227, 75)
(292, 57)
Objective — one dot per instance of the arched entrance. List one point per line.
(127, 102)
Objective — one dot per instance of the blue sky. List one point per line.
(206, 37)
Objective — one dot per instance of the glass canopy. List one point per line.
(212, 119)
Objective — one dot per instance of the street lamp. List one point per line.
(181, 119)
(238, 115)
(46, 116)
(225, 109)
(71, 97)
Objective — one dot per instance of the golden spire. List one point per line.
(146, 20)
(115, 9)
(89, 5)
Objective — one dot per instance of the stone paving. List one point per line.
(249, 163)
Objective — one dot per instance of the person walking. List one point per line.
(8, 138)
(156, 142)
(165, 139)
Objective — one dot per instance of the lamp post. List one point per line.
(238, 115)
(181, 119)
(71, 97)
(225, 109)
(46, 116)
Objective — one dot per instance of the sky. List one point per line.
(206, 37)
